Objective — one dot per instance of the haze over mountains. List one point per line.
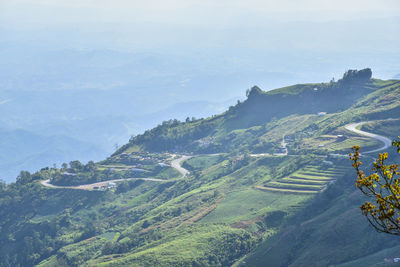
(99, 73)
(102, 97)
(45, 128)
(196, 132)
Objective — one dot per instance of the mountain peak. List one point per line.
(363, 75)
(254, 91)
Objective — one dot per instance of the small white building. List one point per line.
(111, 185)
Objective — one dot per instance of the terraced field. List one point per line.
(308, 180)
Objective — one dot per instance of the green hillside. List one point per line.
(329, 231)
(267, 183)
(257, 124)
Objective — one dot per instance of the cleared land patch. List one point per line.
(302, 181)
(284, 190)
(308, 180)
(295, 186)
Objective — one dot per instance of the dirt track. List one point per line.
(176, 163)
(386, 141)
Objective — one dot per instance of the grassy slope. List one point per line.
(249, 204)
(195, 244)
(243, 125)
(330, 231)
(188, 222)
(326, 237)
(389, 128)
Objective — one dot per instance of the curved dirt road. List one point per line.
(386, 141)
(99, 184)
(176, 163)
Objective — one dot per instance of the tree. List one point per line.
(76, 165)
(89, 230)
(64, 166)
(247, 92)
(24, 177)
(123, 187)
(3, 185)
(383, 188)
(90, 166)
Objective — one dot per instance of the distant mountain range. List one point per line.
(39, 132)
(24, 150)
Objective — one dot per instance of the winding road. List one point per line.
(99, 184)
(353, 128)
(175, 163)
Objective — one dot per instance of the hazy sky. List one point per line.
(227, 13)
(236, 28)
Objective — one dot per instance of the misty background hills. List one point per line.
(31, 138)
(63, 104)
(91, 84)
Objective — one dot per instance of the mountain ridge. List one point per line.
(260, 108)
(232, 208)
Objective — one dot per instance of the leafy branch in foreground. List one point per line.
(396, 143)
(383, 187)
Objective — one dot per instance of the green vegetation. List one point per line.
(202, 162)
(308, 180)
(383, 188)
(250, 204)
(124, 166)
(243, 200)
(244, 126)
(329, 231)
(198, 245)
(388, 128)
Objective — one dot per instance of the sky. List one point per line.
(191, 12)
(203, 27)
